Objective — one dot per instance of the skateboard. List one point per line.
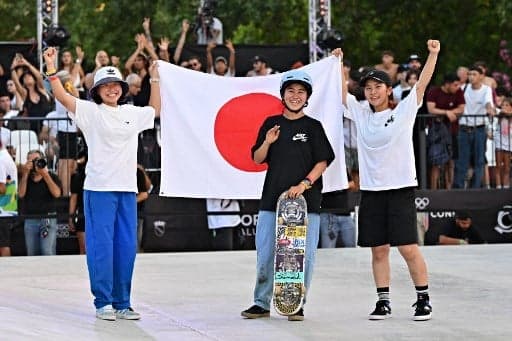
(290, 250)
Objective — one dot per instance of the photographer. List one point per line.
(207, 27)
(461, 231)
(39, 188)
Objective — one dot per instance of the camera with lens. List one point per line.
(206, 12)
(39, 163)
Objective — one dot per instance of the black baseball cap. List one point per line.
(462, 215)
(378, 75)
(259, 59)
(414, 57)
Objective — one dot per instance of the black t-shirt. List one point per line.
(471, 234)
(142, 98)
(337, 200)
(302, 143)
(38, 199)
(77, 187)
(141, 187)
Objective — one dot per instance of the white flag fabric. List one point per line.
(209, 124)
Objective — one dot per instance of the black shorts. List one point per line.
(387, 217)
(5, 233)
(68, 145)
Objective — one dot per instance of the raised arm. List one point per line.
(77, 70)
(149, 48)
(35, 73)
(344, 88)
(232, 58)
(434, 46)
(68, 101)
(185, 25)
(146, 25)
(154, 96)
(16, 79)
(140, 47)
(209, 57)
(163, 46)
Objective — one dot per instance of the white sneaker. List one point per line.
(127, 314)
(106, 313)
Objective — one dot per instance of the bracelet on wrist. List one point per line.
(50, 72)
(53, 77)
(154, 80)
(307, 183)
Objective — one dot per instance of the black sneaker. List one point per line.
(382, 311)
(298, 316)
(255, 312)
(423, 310)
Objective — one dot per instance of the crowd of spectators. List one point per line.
(467, 118)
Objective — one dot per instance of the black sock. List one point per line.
(383, 293)
(422, 292)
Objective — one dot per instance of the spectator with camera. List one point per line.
(208, 28)
(39, 188)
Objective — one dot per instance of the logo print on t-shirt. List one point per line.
(300, 136)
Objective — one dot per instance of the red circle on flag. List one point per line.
(237, 124)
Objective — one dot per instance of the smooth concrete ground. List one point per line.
(199, 296)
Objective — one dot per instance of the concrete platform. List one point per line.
(199, 296)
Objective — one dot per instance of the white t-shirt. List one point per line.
(222, 205)
(476, 100)
(112, 138)
(384, 144)
(216, 25)
(227, 74)
(397, 92)
(63, 124)
(5, 136)
(7, 167)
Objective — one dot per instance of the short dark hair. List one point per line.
(412, 72)
(450, 78)
(476, 68)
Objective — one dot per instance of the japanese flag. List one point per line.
(209, 124)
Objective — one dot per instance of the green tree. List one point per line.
(468, 30)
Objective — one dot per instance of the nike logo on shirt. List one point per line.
(301, 137)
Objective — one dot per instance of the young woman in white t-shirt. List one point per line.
(111, 132)
(387, 213)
